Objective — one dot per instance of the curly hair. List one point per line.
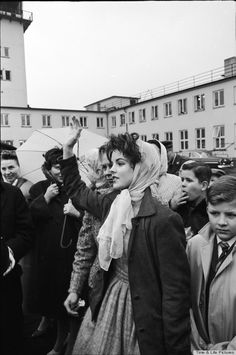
(126, 144)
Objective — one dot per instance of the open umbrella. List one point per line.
(30, 153)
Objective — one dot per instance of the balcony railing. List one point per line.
(25, 16)
(190, 82)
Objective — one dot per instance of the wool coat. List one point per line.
(158, 268)
(16, 233)
(56, 238)
(222, 295)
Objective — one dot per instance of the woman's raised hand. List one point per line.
(75, 131)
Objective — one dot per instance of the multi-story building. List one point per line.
(198, 113)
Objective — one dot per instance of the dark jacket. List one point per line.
(16, 233)
(194, 216)
(54, 250)
(158, 268)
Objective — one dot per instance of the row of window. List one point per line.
(46, 121)
(200, 138)
(199, 105)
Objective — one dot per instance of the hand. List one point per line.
(51, 192)
(70, 210)
(12, 262)
(179, 201)
(72, 139)
(73, 303)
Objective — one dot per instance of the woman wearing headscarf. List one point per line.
(169, 186)
(85, 264)
(57, 224)
(141, 296)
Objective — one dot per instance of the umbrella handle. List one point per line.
(62, 235)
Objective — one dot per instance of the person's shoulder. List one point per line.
(5, 186)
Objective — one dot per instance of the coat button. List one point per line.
(141, 330)
(136, 297)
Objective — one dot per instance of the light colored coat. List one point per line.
(222, 294)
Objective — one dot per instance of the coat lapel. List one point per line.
(226, 262)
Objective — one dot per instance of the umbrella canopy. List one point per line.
(30, 153)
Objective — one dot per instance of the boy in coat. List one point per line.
(212, 258)
(192, 204)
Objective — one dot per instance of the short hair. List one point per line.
(200, 170)
(9, 155)
(126, 144)
(52, 156)
(223, 190)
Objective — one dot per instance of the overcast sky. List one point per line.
(80, 52)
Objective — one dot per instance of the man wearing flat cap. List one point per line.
(174, 160)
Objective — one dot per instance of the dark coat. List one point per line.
(16, 233)
(194, 216)
(159, 274)
(54, 254)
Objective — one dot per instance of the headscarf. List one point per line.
(118, 222)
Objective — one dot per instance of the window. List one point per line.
(100, 122)
(22, 141)
(46, 120)
(65, 121)
(5, 75)
(199, 102)
(5, 52)
(122, 119)
(154, 113)
(219, 137)
(218, 98)
(200, 138)
(25, 120)
(167, 109)
(131, 117)
(83, 121)
(155, 136)
(169, 136)
(234, 95)
(4, 119)
(113, 121)
(182, 106)
(184, 139)
(143, 137)
(142, 115)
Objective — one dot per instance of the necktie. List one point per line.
(225, 249)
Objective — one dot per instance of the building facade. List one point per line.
(198, 113)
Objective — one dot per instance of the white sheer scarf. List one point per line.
(111, 234)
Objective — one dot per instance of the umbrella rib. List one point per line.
(50, 137)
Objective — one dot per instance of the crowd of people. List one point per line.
(139, 261)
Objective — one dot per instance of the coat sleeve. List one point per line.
(82, 196)
(84, 255)
(22, 240)
(175, 282)
(38, 207)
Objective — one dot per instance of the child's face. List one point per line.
(191, 185)
(222, 218)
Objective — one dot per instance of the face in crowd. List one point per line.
(191, 186)
(56, 172)
(223, 219)
(105, 167)
(122, 171)
(10, 170)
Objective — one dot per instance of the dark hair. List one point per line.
(222, 190)
(126, 144)
(52, 156)
(9, 155)
(200, 170)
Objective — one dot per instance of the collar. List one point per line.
(147, 207)
(230, 242)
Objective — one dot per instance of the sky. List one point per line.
(79, 52)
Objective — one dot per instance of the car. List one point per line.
(208, 158)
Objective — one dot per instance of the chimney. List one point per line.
(230, 66)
